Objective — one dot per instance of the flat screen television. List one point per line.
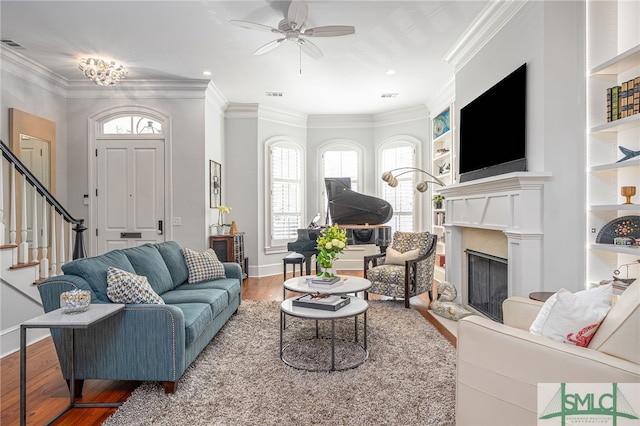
(493, 128)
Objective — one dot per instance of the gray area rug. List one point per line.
(239, 379)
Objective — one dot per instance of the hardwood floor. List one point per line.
(47, 392)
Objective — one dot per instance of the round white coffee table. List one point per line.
(356, 307)
(347, 284)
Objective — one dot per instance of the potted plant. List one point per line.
(437, 201)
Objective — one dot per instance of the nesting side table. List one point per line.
(56, 319)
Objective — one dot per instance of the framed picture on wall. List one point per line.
(441, 124)
(215, 184)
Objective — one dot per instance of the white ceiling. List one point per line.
(180, 39)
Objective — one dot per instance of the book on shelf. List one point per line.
(609, 90)
(329, 303)
(623, 99)
(636, 95)
(615, 94)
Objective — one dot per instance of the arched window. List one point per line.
(403, 197)
(286, 191)
(340, 159)
(132, 125)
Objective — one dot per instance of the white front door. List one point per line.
(130, 193)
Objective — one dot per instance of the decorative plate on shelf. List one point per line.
(441, 124)
(625, 226)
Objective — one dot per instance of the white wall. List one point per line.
(214, 145)
(39, 96)
(549, 37)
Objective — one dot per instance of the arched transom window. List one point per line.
(132, 125)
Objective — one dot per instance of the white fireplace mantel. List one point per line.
(511, 203)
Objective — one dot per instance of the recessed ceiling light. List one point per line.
(206, 73)
(389, 95)
(391, 72)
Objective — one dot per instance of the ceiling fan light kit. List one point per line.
(292, 28)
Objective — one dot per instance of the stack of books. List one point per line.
(329, 303)
(325, 282)
(623, 100)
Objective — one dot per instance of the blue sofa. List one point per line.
(146, 342)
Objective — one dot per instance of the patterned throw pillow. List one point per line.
(125, 287)
(203, 266)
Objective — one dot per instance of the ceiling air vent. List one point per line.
(11, 43)
(274, 94)
(389, 95)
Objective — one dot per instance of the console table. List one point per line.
(57, 319)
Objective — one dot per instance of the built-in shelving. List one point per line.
(612, 248)
(613, 43)
(442, 154)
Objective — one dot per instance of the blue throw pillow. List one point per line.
(94, 270)
(146, 260)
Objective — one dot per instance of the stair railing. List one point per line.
(50, 208)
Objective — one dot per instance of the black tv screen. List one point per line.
(492, 130)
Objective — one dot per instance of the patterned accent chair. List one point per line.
(404, 278)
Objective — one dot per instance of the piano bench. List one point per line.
(292, 259)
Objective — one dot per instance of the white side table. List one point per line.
(356, 307)
(56, 319)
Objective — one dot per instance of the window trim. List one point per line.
(396, 142)
(338, 145)
(271, 245)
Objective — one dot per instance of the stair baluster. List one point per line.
(23, 253)
(54, 244)
(44, 261)
(12, 214)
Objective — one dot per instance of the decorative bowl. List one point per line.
(75, 301)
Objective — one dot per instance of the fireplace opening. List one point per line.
(487, 283)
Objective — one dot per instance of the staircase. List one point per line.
(40, 248)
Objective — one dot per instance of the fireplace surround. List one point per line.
(511, 203)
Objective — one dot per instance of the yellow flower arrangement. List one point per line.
(221, 211)
(331, 243)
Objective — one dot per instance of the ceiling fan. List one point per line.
(292, 28)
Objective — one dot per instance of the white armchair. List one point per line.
(500, 365)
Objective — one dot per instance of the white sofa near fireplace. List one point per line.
(510, 203)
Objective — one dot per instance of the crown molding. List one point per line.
(234, 110)
(486, 25)
(282, 117)
(141, 89)
(215, 97)
(399, 116)
(32, 72)
(441, 100)
(338, 121)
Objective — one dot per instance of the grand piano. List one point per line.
(362, 216)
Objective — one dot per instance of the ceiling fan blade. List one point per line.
(330, 31)
(310, 49)
(297, 14)
(254, 26)
(269, 46)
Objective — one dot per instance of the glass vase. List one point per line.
(328, 272)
